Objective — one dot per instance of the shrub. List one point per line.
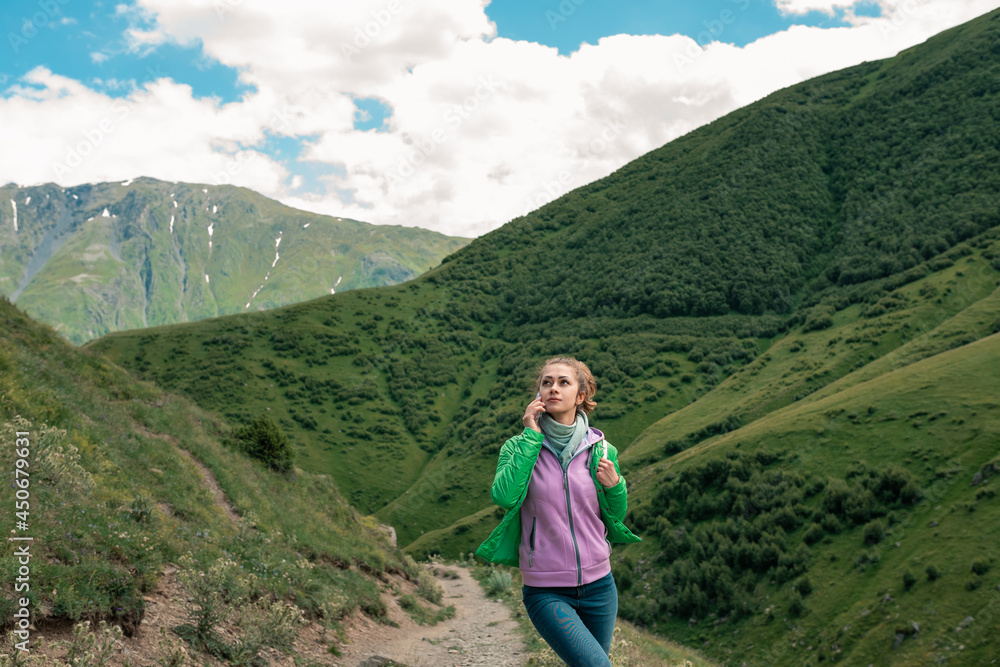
(90, 648)
(813, 535)
(819, 317)
(498, 582)
(429, 589)
(890, 482)
(213, 592)
(933, 574)
(141, 509)
(803, 586)
(53, 463)
(173, 653)
(815, 487)
(910, 493)
(866, 556)
(830, 524)
(263, 624)
(908, 580)
(860, 505)
(980, 566)
(874, 532)
(836, 496)
(262, 439)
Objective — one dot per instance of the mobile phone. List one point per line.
(604, 451)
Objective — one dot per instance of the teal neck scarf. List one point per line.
(564, 438)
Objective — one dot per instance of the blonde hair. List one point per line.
(588, 386)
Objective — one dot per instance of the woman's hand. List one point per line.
(606, 473)
(530, 418)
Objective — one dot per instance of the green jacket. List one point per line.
(510, 486)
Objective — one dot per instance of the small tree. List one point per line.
(874, 532)
(264, 440)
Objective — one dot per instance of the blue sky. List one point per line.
(64, 35)
(565, 25)
(421, 117)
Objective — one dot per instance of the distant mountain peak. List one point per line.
(176, 252)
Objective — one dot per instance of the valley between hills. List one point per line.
(793, 317)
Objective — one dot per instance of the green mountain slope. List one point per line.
(810, 247)
(890, 451)
(98, 258)
(114, 494)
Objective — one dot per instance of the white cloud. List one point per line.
(142, 41)
(806, 6)
(98, 57)
(77, 135)
(483, 129)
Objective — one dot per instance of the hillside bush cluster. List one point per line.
(726, 526)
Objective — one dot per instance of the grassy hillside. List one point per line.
(852, 490)
(115, 494)
(836, 244)
(98, 258)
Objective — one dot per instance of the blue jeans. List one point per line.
(576, 621)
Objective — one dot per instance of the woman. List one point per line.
(565, 500)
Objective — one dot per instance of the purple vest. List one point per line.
(563, 539)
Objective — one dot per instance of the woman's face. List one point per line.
(560, 391)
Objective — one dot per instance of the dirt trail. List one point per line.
(213, 485)
(482, 632)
